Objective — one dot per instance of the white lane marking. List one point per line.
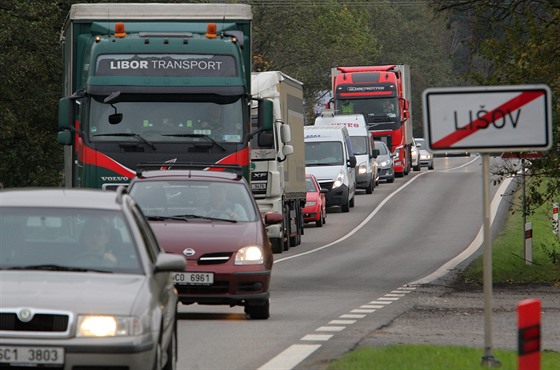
(474, 246)
(388, 299)
(318, 337)
(352, 316)
(342, 322)
(372, 306)
(357, 228)
(380, 302)
(394, 295)
(330, 328)
(357, 310)
(290, 357)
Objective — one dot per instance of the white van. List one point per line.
(367, 176)
(329, 156)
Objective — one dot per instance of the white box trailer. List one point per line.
(278, 157)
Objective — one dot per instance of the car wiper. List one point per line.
(198, 135)
(53, 267)
(130, 134)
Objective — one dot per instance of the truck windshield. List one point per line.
(169, 121)
(381, 113)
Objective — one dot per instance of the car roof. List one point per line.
(59, 198)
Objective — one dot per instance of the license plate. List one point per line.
(193, 278)
(258, 186)
(31, 355)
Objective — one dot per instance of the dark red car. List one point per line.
(211, 219)
(315, 209)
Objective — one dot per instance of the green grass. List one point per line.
(427, 357)
(508, 267)
(508, 263)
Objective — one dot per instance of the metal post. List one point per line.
(488, 359)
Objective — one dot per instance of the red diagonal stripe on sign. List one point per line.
(512, 105)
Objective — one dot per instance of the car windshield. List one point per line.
(323, 153)
(310, 185)
(194, 201)
(422, 144)
(63, 239)
(382, 148)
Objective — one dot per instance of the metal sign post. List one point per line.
(488, 120)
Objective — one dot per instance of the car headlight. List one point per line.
(250, 255)
(339, 180)
(108, 326)
(362, 168)
(383, 163)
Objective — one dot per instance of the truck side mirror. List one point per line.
(352, 161)
(285, 133)
(265, 117)
(287, 150)
(66, 113)
(65, 137)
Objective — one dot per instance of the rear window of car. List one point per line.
(60, 236)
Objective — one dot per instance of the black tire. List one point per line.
(319, 223)
(346, 206)
(258, 311)
(391, 179)
(352, 202)
(371, 186)
(277, 245)
(431, 167)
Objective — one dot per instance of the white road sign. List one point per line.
(488, 118)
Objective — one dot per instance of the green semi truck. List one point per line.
(155, 83)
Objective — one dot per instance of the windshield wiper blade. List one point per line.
(198, 135)
(130, 134)
(53, 267)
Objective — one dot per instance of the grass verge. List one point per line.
(422, 357)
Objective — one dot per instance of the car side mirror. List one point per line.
(352, 161)
(375, 153)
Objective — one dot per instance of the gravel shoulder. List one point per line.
(453, 314)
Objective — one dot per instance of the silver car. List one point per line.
(385, 163)
(83, 283)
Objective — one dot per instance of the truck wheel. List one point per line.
(277, 245)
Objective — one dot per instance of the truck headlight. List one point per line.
(250, 255)
(108, 326)
(339, 181)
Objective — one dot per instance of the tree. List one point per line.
(517, 43)
(305, 40)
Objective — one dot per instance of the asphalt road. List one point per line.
(347, 278)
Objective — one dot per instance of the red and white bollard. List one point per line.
(529, 334)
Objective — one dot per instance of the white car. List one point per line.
(426, 156)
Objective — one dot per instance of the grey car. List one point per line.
(385, 162)
(83, 283)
